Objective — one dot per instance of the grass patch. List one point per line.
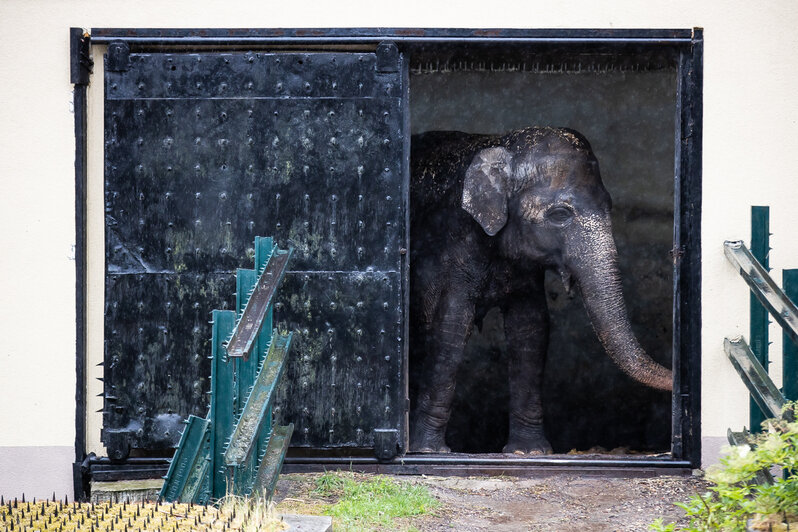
(372, 503)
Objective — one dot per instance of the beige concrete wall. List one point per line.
(750, 141)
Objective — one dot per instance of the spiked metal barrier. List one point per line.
(751, 361)
(237, 450)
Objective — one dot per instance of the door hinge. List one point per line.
(676, 254)
(386, 444)
(118, 56)
(387, 58)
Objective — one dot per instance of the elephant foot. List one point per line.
(527, 439)
(429, 442)
(426, 439)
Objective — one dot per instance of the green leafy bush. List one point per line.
(735, 496)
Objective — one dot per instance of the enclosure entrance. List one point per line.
(626, 108)
(215, 136)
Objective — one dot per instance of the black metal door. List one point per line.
(204, 151)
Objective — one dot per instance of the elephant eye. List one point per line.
(559, 215)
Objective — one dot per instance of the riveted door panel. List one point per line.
(203, 153)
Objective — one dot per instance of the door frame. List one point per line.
(687, 47)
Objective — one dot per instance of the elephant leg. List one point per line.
(448, 338)
(526, 326)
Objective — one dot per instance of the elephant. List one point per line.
(489, 215)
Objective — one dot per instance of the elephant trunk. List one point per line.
(592, 257)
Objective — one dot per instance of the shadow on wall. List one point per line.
(628, 117)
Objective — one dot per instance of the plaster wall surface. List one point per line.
(750, 141)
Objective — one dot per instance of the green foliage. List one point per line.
(373, 503)
(735, 495)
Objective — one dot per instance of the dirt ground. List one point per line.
(561, 503)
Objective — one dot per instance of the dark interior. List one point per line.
(628, 115)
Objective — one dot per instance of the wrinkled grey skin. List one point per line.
(489, 215)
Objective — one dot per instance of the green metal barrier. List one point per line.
(758, 323)
(789, 280)
(752, 362)
(237, 449)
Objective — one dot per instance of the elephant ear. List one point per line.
(485, 188)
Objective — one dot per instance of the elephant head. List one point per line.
(538, 191)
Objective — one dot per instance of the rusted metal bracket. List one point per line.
(756, 379)
(762, 286)
(251, 322)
